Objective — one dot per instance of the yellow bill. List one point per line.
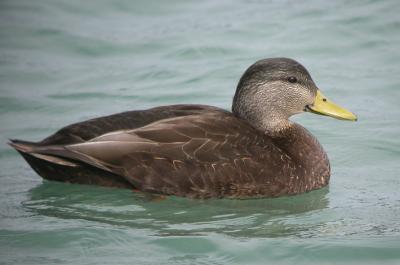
(324, 106)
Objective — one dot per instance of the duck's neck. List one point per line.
(267, 120)
(261, 112)
(275, 127)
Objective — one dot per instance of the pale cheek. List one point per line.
(299, 102)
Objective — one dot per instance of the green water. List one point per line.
(67, 61)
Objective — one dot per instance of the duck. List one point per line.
(201, 151)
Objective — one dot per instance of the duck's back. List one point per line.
(86, 130)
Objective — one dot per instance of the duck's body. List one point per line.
(186, 150)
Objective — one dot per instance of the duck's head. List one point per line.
(272, 90)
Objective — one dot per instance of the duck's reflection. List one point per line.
(179, 216)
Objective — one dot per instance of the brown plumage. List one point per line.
(191, 150)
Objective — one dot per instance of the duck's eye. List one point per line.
(292, 79)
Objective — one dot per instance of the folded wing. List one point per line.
(197, 154)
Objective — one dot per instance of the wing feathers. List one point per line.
(196, 154)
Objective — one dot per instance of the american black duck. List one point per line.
(201, 151)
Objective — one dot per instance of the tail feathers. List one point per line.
(59, 154)
(31, 148)
(56, 162)
(22, 146)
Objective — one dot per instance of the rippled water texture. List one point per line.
(67, 61)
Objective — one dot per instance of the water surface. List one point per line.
(67, 61)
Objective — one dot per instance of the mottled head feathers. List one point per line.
(272, 90)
